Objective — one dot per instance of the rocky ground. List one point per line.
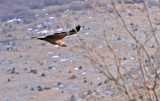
(33, 70)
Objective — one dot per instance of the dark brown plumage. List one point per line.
(57, 38)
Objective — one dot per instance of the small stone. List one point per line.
(43, 74)
(135, 29)
(100, 65)
(50, 67)
(100, 71)
(70, 72)
(146, 60)
(33, 71)
(157, 23)
(13, 71)
(152, 46)
(47, 88)
(17, 72)
(41, 64)
(59, 83)
(105, 81)
(9, 80)
(32, 88)
(99, 84)
(124, 58)
(152, 56)
(118, 38)
(25, 69)
(72, 77)
(80, 67)
(72, 98)
(134, 48)
(131, 24)
(130, 14)
(85, 81)
(40, 88)
(89, 92)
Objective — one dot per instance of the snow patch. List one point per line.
(56, 56)
(30, 29)
(60, 29)
(12, 20)
(51, 18)
(44, 31)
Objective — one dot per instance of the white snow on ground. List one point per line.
(29, 29)
(12, 20)
(44, 31)
(51, 18)
(60, 29)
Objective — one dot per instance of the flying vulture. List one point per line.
(57, 38)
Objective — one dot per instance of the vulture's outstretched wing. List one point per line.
(57, 38)
(63, 34)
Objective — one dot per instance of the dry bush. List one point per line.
(135, 80)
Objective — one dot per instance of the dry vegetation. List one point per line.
(138, 80)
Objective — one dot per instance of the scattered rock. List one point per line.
(157, 23)
(146, 60)
(152, 56)
(105, 81)
(118, 38)
(17, 72)
(85, 81)
(41, 63)
(42, 75)
(134, 48)
(152, 46)
(50, 67)
(72, 77)
(13, 71)
(110, 9)
(47, 88)
(59, 83)
(40, 88)
(80, 67)
(25, 69)
(89, 92)
(9, 80)
(130, 14)
(99, 84)
(124, 58)
(32, 88)
(70, 72)
(72, 98)
(34, 71)
(131, 24)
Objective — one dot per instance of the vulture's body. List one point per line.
(57, 38)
